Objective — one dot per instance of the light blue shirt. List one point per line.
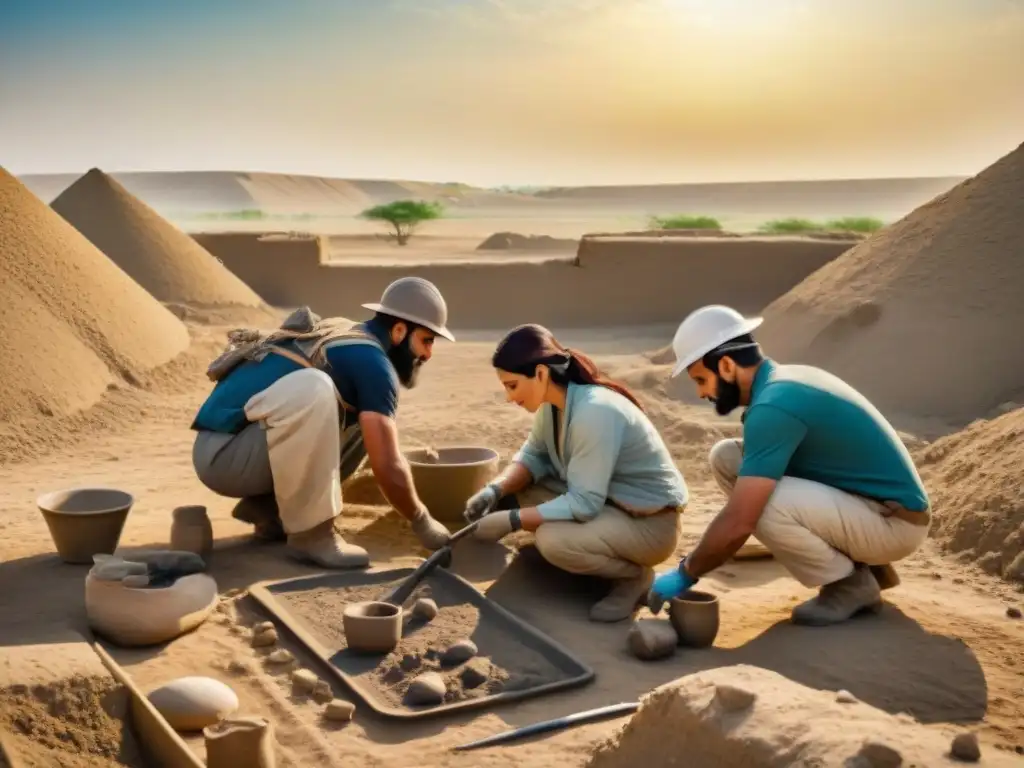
(609, 451)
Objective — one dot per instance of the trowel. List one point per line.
(442, 557)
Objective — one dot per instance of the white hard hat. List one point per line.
(705, 329)
(418, 301)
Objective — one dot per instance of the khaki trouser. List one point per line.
(817, 532)
(614, 545)
(294, 448)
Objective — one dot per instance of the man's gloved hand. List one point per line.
(481, 502)
(432, 534)
(497, 525)
(667, 585)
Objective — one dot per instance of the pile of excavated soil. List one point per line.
(923, 317)
(502, 662)
(974, 482)
(739, 716)
(513, 241)
(159, 256)
(73, 323)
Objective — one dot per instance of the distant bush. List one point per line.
(684, 221)
(789, 226)
(856, 224)
(404, 216)
(792, 226)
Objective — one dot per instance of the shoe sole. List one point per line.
(302, 557)
(811, 621)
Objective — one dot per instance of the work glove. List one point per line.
(668, 585)
(432, 534)
(497, 525)
(482, 502)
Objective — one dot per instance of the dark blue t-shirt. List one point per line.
(361, 371)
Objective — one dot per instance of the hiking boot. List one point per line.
(261, 512)
(432, 534)
(324, 546)
(838, 601)
(623, 598)
(886, 576)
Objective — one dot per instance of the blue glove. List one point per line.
(668, 585)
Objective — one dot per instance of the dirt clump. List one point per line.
(165, 261)
(513, 241)
(941, 284)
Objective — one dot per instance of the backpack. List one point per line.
(308, 330)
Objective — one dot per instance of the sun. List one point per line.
(747, 15)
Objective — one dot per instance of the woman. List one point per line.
(602, 492)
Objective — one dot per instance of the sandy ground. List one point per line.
(433, 249)
(944, 650)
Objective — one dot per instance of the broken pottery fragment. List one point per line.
(339, 711)
(303, 681)
(240, 741)
(194, 702)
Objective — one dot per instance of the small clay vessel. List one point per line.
(191, 530)
(694, 615)
(239, 741)
(372, 627)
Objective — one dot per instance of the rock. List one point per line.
(280, 656)
(733, 699)
(845, 697)
(424, 609)
(875, 754)
(459, 652)
(410, 662)
(339, 711)
(322, 692)
(113, 568)
(473, 675)
(427, 689)
(650, 639)
(264, 639)
(965, 747)
(263, 626)
(303, 681)
(239, 667)
(192, 703)
(1013, 612)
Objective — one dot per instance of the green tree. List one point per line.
(404, 216)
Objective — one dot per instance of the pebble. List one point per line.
(194, 702)
(280, 656)
(264, 639)
(880, 755)
(339, 711)
(1013, 612)
(427, 689)
(650, 639)
(734, 699)
(459, 652)
(965, 747)
(322, 692)
(410, 662)
(239, 667)
(424, 609)
(958, 580)
(472, 677)
(845, 697)
(303, 681)
(263, 626)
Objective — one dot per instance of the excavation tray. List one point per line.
(310, 608)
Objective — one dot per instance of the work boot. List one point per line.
(838, 601)
(623, 598)
(886, 576)
(432, 534)
(261, 512)
(325, 547)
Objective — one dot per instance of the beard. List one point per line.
(407, 364)
(727, 397)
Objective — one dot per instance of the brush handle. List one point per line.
(403, 590)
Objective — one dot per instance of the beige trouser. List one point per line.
(614, 545)
(294, 449)
(817, 532)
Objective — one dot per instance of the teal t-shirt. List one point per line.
(804, 422)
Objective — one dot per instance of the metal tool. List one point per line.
(442, 557)
(557, 724)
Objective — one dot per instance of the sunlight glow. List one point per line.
(750, 16)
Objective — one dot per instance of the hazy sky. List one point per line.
(513, 91)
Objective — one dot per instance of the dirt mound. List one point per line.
(159, 256)
(974, 481)
(744, 716)
(73, 323)
(895, 313)
(513, 241)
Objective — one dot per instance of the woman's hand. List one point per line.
(482, 502)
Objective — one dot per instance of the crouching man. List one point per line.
(294, 413)
(819, 477)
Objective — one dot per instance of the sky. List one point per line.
(513, 92)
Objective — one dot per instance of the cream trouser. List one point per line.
(817, 532)
(614, 545)
(294, 449)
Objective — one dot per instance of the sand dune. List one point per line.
(73, 322)
(161, 258)
(925, 315)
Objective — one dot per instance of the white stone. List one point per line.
(194, 702)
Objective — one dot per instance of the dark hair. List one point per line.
(527, 346)
(743, 350)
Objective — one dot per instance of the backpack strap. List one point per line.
(301, 360)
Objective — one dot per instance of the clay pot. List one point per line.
(85, 521)
(447, 477)
(191, 531)
(136, 617)
(694, 615)
(372, 627)
(240, 741)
